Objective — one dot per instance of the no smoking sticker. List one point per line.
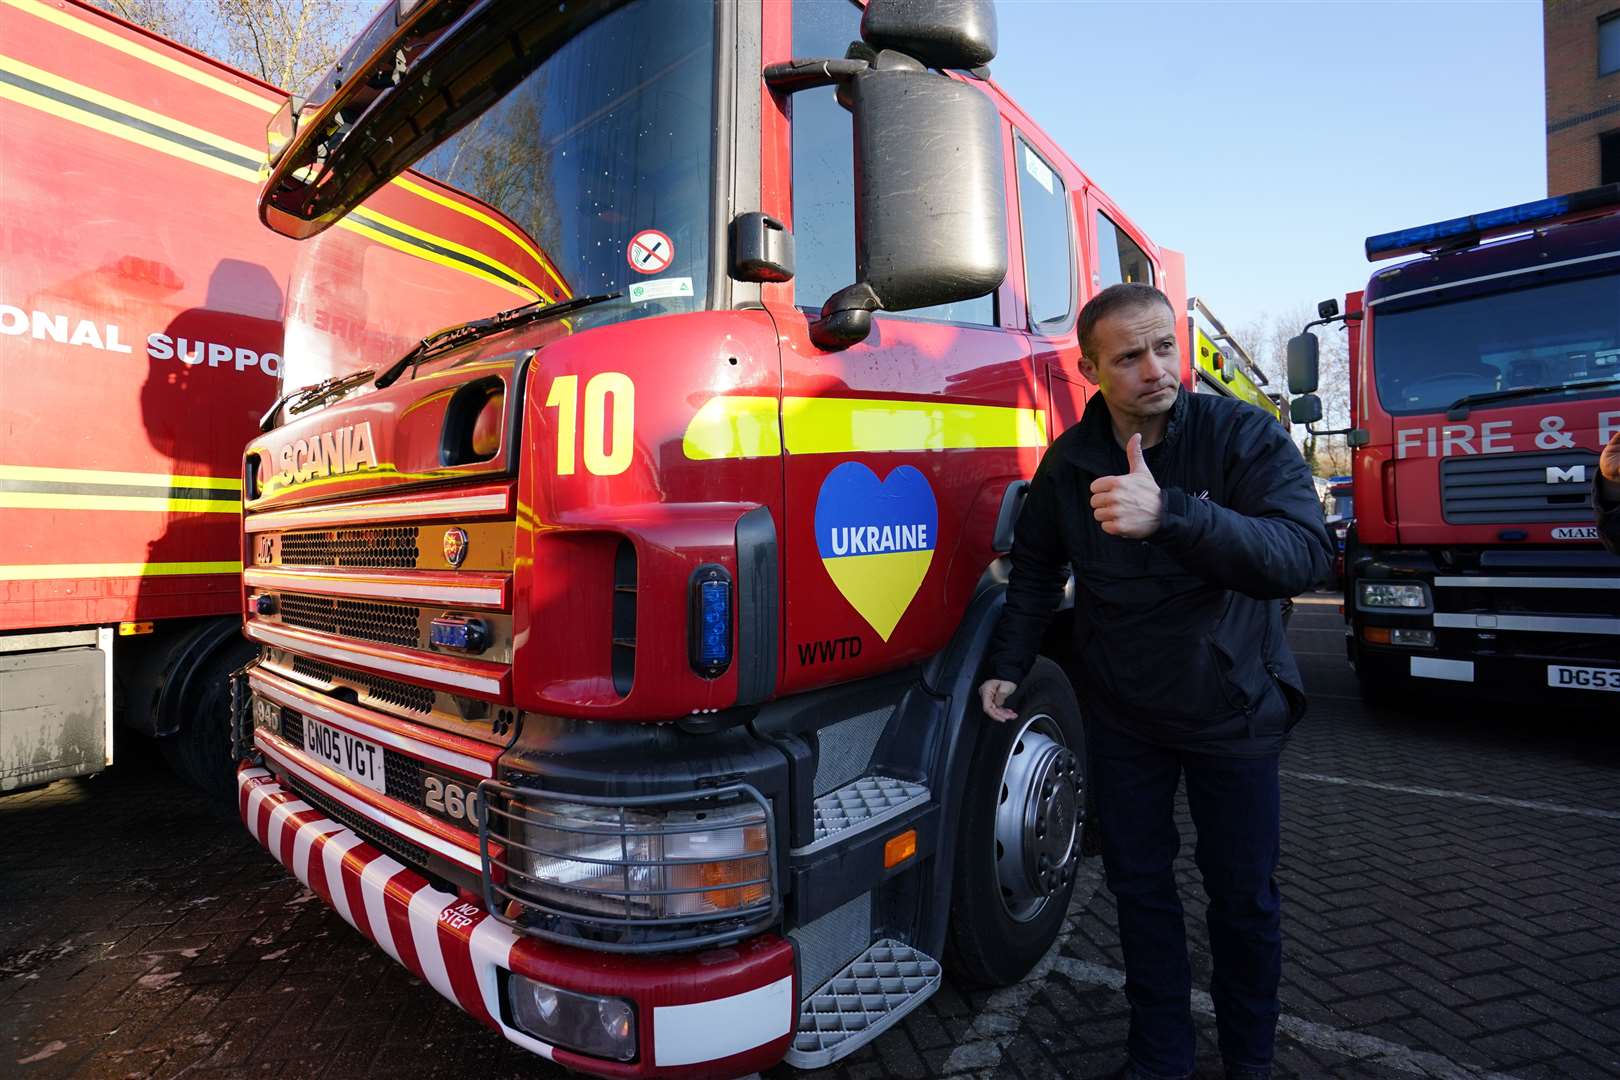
(650, 252)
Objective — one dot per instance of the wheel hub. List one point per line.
(1037, 818)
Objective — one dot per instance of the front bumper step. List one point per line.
(861, 1002)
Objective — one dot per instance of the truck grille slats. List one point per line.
(378, 689)
(392, 548)
(386, 839)
(1514, 488)
(391, 624)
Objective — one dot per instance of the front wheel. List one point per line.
(1017, 849)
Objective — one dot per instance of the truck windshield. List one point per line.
(601, 155)
(1425, 358)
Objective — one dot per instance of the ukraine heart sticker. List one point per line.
(877, 538)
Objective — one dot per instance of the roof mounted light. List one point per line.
(1466, 231)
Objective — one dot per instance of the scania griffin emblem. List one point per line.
(455, 547)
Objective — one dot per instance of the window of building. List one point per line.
(1609, 44)
(824, 175)
(1118, 255)
(1043, 207)
(1609, 158)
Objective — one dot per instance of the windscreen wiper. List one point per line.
(440, 340)
(1458, 410)
(307, 397)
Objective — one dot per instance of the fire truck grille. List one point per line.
(379, 548)
(367, 829)
(384, 691)
(292, 727)
(1552, 486)
(391, 624)
(402, 776)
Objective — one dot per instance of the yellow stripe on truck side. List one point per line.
(68, 100)
(744, 426)
(103, 476)
(29, 487)
(71, 571)
(157, 59)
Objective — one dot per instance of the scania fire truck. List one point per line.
(619, 646)
(1484, 380)
(140, 341)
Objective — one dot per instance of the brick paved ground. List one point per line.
(1429, 932)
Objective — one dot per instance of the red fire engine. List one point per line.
(140, 340)
(619, 645)
(1484, 379)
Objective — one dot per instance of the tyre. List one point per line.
(1018, 845)
(200, 752)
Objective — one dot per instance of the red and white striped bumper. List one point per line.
(724, 1013)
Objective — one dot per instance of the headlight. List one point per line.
(678, 864)
(1385, 594)
(600, 1026)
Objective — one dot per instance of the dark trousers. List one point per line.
(1235, 809)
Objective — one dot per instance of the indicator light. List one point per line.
(897, 849)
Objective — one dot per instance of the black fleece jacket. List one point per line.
(1178, 639)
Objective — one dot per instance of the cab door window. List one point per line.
(1119, 257)
(824, 175)
(1043, 209)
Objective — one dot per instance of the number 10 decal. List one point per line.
(606, 452)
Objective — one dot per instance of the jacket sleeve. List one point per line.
(1608, 516)
(1035, 583)
(1271, 542)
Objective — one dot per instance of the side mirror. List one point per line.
(1304, 363)
(940, 33)
(930, 205)
(1305, 409)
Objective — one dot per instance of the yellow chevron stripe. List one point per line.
(69, 571)
(140, 52)
(103, 476)
(478, 215)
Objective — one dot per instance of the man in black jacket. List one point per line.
(1186, 519)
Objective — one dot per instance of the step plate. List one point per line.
(859, 805)
(861, 1002)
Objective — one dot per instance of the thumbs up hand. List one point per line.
(1128, 505)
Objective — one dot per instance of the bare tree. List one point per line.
(284, 42)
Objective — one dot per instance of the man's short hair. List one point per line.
(1111, 301)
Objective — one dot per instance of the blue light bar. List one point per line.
(1476, 227)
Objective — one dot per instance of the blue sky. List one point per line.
(1267, 140)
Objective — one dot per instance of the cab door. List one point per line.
(898, 450)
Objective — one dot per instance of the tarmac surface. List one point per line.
(1450, 879)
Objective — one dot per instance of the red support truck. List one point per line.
(1484, 380)
(140, 341)
(619, 648)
